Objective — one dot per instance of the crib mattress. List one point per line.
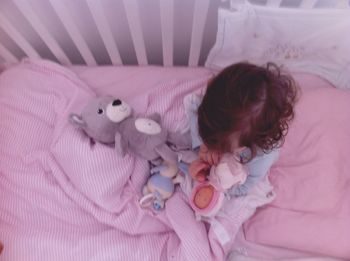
(41, 188)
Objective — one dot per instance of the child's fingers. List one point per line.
(215, 158)
(200, 166)
(200, 177)
(203, 151)
(210, 156)
(203, 155)
(193, 169)
(197, 167)
(206, 157)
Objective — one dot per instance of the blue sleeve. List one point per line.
(257, 170)
(196, 139)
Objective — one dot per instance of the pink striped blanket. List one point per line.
(65, 198)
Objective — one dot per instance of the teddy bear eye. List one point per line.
(99, 111)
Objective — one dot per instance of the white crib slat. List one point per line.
(273, 3)
(308, 4)
(18, 38)
(133, 17)
(73, 31)
(28, 13)
(167, 22)
(7, 55)
(200, 16)
(104, 29)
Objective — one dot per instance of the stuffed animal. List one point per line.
(160, 186)
(208, 196)
(110, 121)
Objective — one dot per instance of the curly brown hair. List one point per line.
(256, 102)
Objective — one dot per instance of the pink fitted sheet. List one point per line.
(133, 80)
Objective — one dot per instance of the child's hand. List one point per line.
(209, 156)
(199, 170)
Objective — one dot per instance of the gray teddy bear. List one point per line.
(110, 121)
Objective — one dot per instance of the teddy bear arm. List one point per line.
(166, 153)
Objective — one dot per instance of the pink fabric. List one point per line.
(135, 80)
(311, 212)
(64, 198)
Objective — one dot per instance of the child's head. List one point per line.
(248, 105)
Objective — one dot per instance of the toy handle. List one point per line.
(146, 200)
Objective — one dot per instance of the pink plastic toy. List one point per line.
(208, 197)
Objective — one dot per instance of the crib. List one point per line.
(56, 54)
(120, 32)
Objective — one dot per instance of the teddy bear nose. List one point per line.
(116, 102)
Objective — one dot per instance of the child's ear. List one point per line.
(77, 120)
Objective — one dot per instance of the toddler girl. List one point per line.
(245, 110)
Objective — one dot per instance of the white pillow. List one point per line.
(313, 41)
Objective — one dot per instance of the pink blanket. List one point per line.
(64, 198)
(311, 212)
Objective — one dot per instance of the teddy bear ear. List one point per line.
(77, 120)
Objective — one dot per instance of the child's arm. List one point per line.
(258, 168)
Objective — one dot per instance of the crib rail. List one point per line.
(164, 32)
(303, 4)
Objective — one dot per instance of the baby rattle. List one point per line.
(208, 196)
(161, 185)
